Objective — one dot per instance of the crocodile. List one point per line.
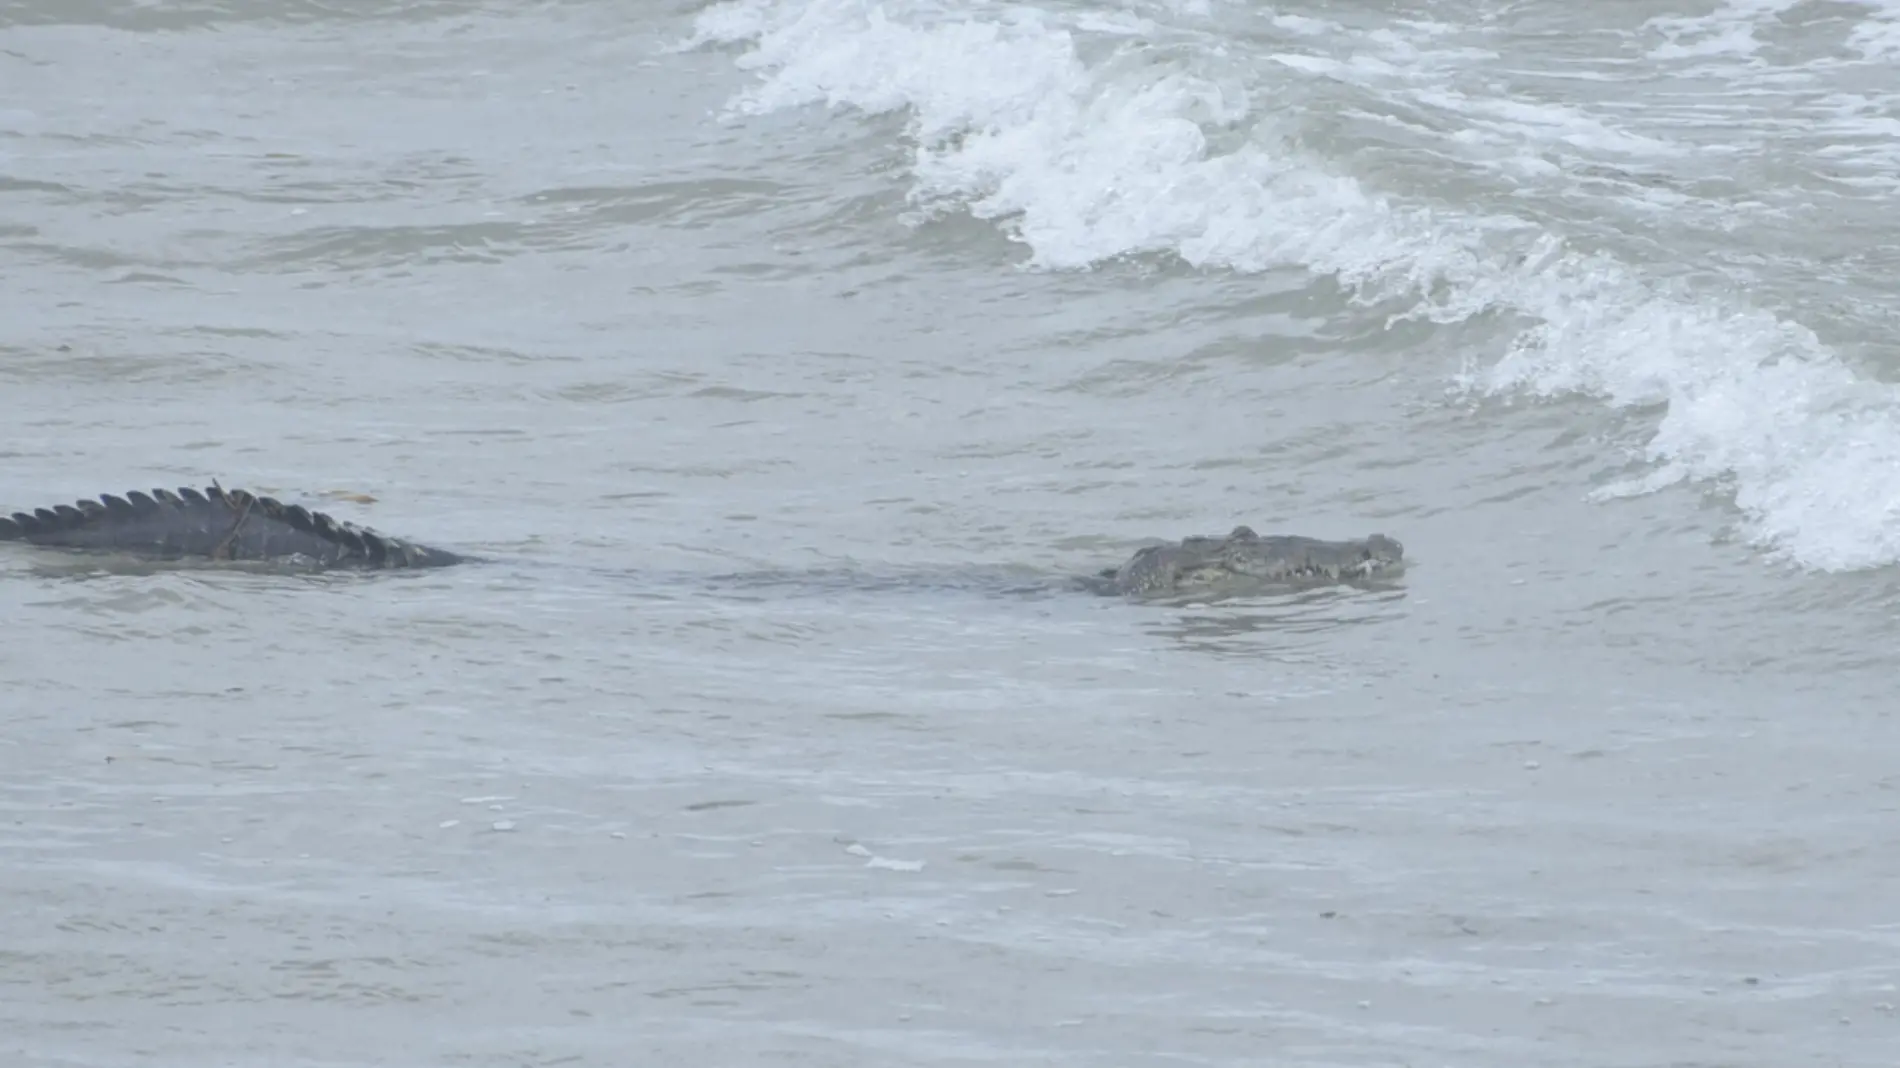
(1200, 562)
(237, 525)
(217, 524)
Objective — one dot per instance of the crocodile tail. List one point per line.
(43, 523)
(358, 543)
(217, 523)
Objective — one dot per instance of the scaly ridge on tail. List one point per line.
(217, 524)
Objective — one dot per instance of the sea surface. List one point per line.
(906, 310)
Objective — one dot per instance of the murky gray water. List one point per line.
(1589, 307)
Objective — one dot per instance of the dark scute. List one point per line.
(376, 547)
(192, 495)
(68, 515)
(166, 497)
(339, 533)
(299, 517)
(1243, 533)
(115, 505)
(46, 517)
(91, 507)
(141, 502)
(11, 530)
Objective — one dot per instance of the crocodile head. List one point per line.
(1244, 558)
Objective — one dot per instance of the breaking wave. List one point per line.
(1090, 135)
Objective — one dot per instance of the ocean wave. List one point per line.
(1087, 138)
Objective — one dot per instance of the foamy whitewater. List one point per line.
(784, 363)
(1242, 138)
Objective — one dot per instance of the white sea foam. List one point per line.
(1878, 37)
(1729, 30)
(1087, 160)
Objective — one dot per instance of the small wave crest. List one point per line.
(1125, 136)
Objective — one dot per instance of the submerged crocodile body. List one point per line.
(234, 525)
